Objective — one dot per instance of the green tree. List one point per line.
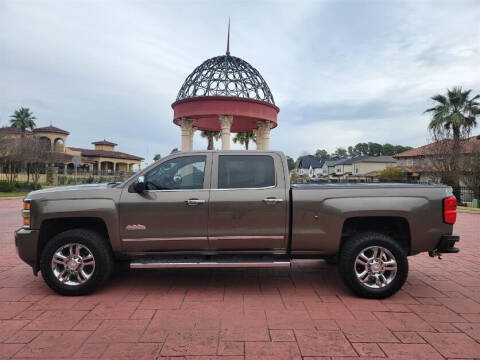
(397, 149)
(351, 151)
(453, 118)
(290, 163)
(454, 113)
(361, 149)
(340, 152)
(374, 149)
(392, 174)
(157, 157)
(322, 154)
(210, 135)
(388, 149)
(244, 138)
(23, 119)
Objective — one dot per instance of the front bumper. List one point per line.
(26, 243)
(446, 245)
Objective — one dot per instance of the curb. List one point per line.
(464, 209)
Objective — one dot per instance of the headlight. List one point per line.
(26, 213)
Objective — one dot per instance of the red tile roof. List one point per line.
(106, 153)
(470, 145)
(51, 129)
(104, 142)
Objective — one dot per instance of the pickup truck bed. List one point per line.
(320, 210)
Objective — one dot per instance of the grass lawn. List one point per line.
(13, 194)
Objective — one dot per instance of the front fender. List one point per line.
(104, 209)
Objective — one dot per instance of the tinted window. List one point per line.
(245, 171)
(185, 172)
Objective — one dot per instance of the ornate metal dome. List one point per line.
(226, 76)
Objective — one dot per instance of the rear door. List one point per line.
(248, 202)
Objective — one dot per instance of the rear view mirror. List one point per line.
(140, 185)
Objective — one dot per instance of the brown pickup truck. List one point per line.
(232, 209)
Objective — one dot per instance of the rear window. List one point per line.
(245, 171)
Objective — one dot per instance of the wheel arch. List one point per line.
(52, 227)
(397, 227)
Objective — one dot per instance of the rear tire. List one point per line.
(75, 262)
(373, 265)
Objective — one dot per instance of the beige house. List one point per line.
(366, 165)
(102, 159)
(360, 166)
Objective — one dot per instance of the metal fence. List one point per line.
(466, 195)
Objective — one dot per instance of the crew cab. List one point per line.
(232, 209)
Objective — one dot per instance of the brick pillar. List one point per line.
(52, 175)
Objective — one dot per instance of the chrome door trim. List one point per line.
(173, 190)
(249, 237)
(259, 188)
(170, 265)
(167, 239)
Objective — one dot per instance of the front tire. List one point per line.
(76, 262)
(373, 265)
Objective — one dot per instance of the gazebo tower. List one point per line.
(226, 94)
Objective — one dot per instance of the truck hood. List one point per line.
(85, 190)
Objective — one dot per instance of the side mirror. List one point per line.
(140, 185)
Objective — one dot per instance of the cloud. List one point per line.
(340, 71)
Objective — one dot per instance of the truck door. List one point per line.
(172, 213)
(248, 202)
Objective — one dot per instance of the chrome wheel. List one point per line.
(375, 267)
(73, 264)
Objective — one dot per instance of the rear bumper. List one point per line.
(446, 245)
(26, 243)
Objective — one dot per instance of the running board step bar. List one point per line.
(207, 264)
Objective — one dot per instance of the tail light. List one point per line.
(450, 210)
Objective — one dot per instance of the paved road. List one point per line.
(304, 312)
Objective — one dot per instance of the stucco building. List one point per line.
(101, 159)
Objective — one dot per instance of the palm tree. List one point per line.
(210, 135)
(453, 117)
(23, 119)
(454, 113)
(244, 138)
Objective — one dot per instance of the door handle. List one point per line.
(193, 202)
(272, 200)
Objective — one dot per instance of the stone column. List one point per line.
(191, 137)
(225, 126)
(52, 175)
(187, 129)
(263, 133)
(258, 138)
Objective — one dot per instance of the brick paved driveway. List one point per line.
(236, 314)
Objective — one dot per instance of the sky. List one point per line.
(341, 72)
